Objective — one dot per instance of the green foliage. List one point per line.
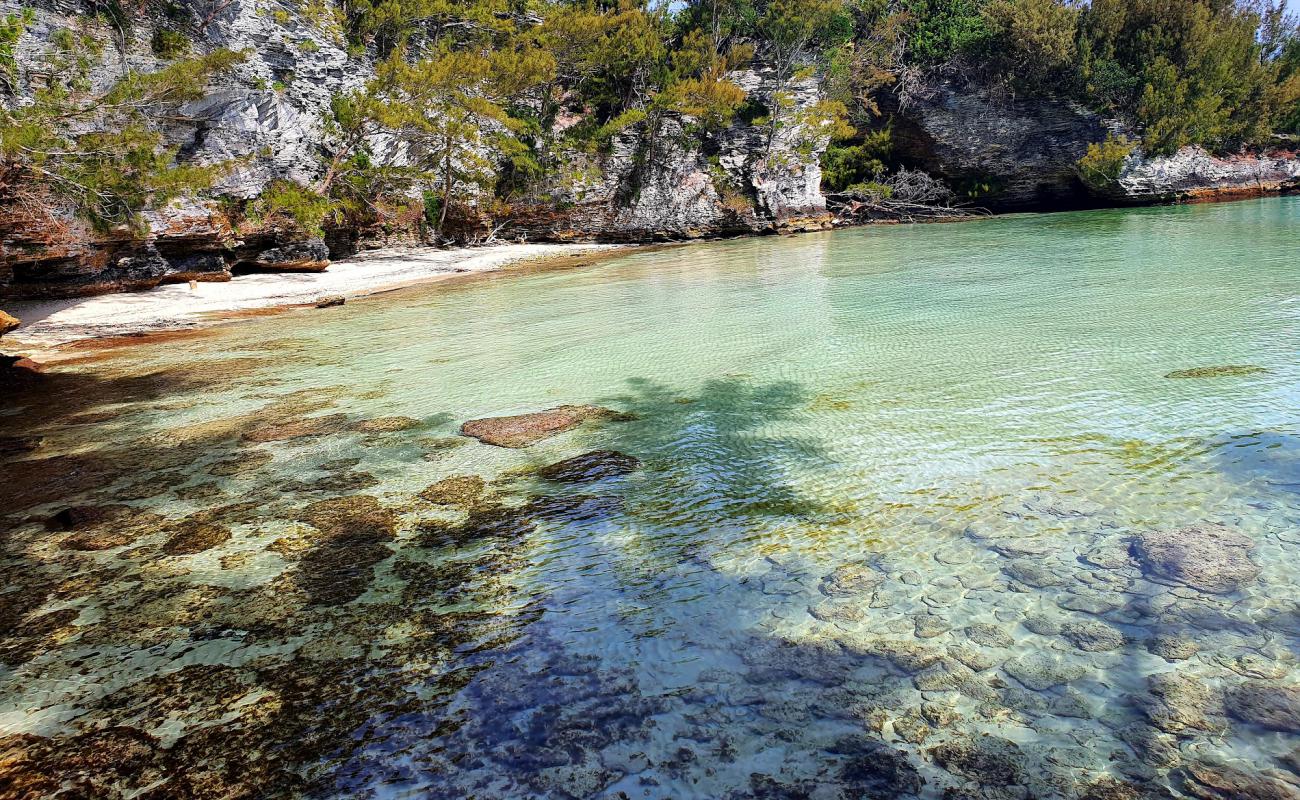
(1102, 165)
(847, 165)
(1033, 43)
(1189, 71)
(12, 27)
(104, 152)
(288, 202)
(940, 30)
(168, 44)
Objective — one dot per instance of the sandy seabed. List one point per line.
(51, 323)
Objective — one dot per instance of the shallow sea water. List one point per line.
(881, 541)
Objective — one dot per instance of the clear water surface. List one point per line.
(883, 541)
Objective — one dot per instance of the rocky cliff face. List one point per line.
(999, 151)
(266, 119)
(1010, 154)
(676, 182)
(1194, 174)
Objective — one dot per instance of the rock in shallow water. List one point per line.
(457, 490)
(594, 466)
(1274, 707)
(1224, 371)
(523, 430)
(1209, 557)
(850, 579)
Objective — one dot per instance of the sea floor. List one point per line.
(1008, 509)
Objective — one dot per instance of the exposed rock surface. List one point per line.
(1193, 173)
(1210, 557)
(1009, 153)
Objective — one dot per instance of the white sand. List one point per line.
(48, 324)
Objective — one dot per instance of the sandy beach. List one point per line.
(49, 324)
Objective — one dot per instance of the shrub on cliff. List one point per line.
(1102, 165)
(103, 151)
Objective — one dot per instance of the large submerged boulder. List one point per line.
(1209, 557)
(524, 430)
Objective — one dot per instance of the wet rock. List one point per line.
(1092, 636)
(1175, 703)
(1224, 371)
(8, 323)
(106, 527)
(196, 538)
(574, 508)
(875, 769)
(928, 626)
(1109, 788)
(1041, 671)
(241, 463)
(356, 518)
(331, 301)
(988, 760)
(354, 532)
(1032, 573)
(15, 445)
(912, 729)
(906, 656)
(838, 611)
(988, 635)
(384, 425)
(977, 660)
(1209, 557)
(851, 579)
(1172, 647)
(81, 517)
(283, 431)
(524, 430)
(457, 490)
(1216, 782)
(1273, 707)
(594, 466)
(1042, 624)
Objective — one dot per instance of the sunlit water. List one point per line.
(880, 543)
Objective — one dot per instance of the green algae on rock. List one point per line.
(1225, 371)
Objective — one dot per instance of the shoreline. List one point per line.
(51, 327)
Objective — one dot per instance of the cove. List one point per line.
(1003, 509)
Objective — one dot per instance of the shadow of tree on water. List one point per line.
(436, 663)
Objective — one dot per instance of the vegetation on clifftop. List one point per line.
(492, 100)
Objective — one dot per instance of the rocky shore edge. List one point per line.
(49, 325)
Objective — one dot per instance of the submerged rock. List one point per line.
(195, 538)
(242, 462)
(1209, 557)
(1092, 636)
(875, 769)
(594, 466)
(1175, 703)
(1171, 647)
(12, 445)
(385, 425)
(1274, 707)
(1042, 671)
(283, 431)
(1225, 371)
(850, 579)
(1217, 782)
(457, 490)
(524, 430)
(989, 760)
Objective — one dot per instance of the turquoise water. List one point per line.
(885, 537)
